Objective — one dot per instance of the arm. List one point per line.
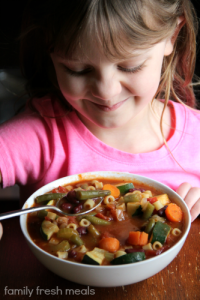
(191, 195)
(1, 228)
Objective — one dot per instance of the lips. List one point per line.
(109, 108)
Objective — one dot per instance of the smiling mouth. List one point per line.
(110, 108)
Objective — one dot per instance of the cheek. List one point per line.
(146, 84)
(70, 87)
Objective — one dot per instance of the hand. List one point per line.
(1, 230)
(191, 195)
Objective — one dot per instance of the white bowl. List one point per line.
(106, 276)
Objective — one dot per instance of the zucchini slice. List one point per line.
(44, 213)
(132, 207)
(51, 202)
(150, 225)
(93, 258)
(128, 258)
(160, 232)
(108, 255)
(124, 188)
(61, 247)
(62, 255)
(138, 211)
(47, 229)
(130, 197)
(148, 211)
(52, 215)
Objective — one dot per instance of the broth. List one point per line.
(119, 224)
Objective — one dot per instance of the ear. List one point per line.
(171, 41)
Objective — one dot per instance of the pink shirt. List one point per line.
(36, 150)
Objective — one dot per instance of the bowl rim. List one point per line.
(23, 218)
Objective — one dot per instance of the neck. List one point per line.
(141, 134)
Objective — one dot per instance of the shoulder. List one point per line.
(38, 118)
(47, 106)
(187, 113)
(182, 107)
(187, 122)
(42, 111)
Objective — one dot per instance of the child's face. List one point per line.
(106, 93)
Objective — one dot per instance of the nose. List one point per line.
(106, 87)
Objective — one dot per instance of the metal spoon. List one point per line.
(20, 212)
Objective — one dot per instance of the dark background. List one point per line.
(10, 22)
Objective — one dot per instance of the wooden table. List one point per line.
(20, 271)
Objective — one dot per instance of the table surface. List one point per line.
(22, 274)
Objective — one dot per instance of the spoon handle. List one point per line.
(20, 212)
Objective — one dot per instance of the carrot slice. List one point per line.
(143, 238)
(109, 244)
(115, 192)
(174, 213)
(137, 238)
(134, 238)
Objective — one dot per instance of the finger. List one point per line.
(1, 230)
(183, 189)
(192, 197)
(195, 210)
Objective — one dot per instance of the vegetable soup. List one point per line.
(133, 222)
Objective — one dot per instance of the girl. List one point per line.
(104, 78)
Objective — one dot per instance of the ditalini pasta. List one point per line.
(134, 222)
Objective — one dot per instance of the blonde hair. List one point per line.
(60, 25)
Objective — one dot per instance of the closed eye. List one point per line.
(76, 73)
(88, 70)
(131, 70)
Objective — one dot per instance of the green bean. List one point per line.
(79, 218)
(71, 235)
(149, 226)
(148, 211)
(75, 239)
(66, 233)
(132, 198)
(97, 221)
(84, 195)
(47, 197)
(93, 231)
